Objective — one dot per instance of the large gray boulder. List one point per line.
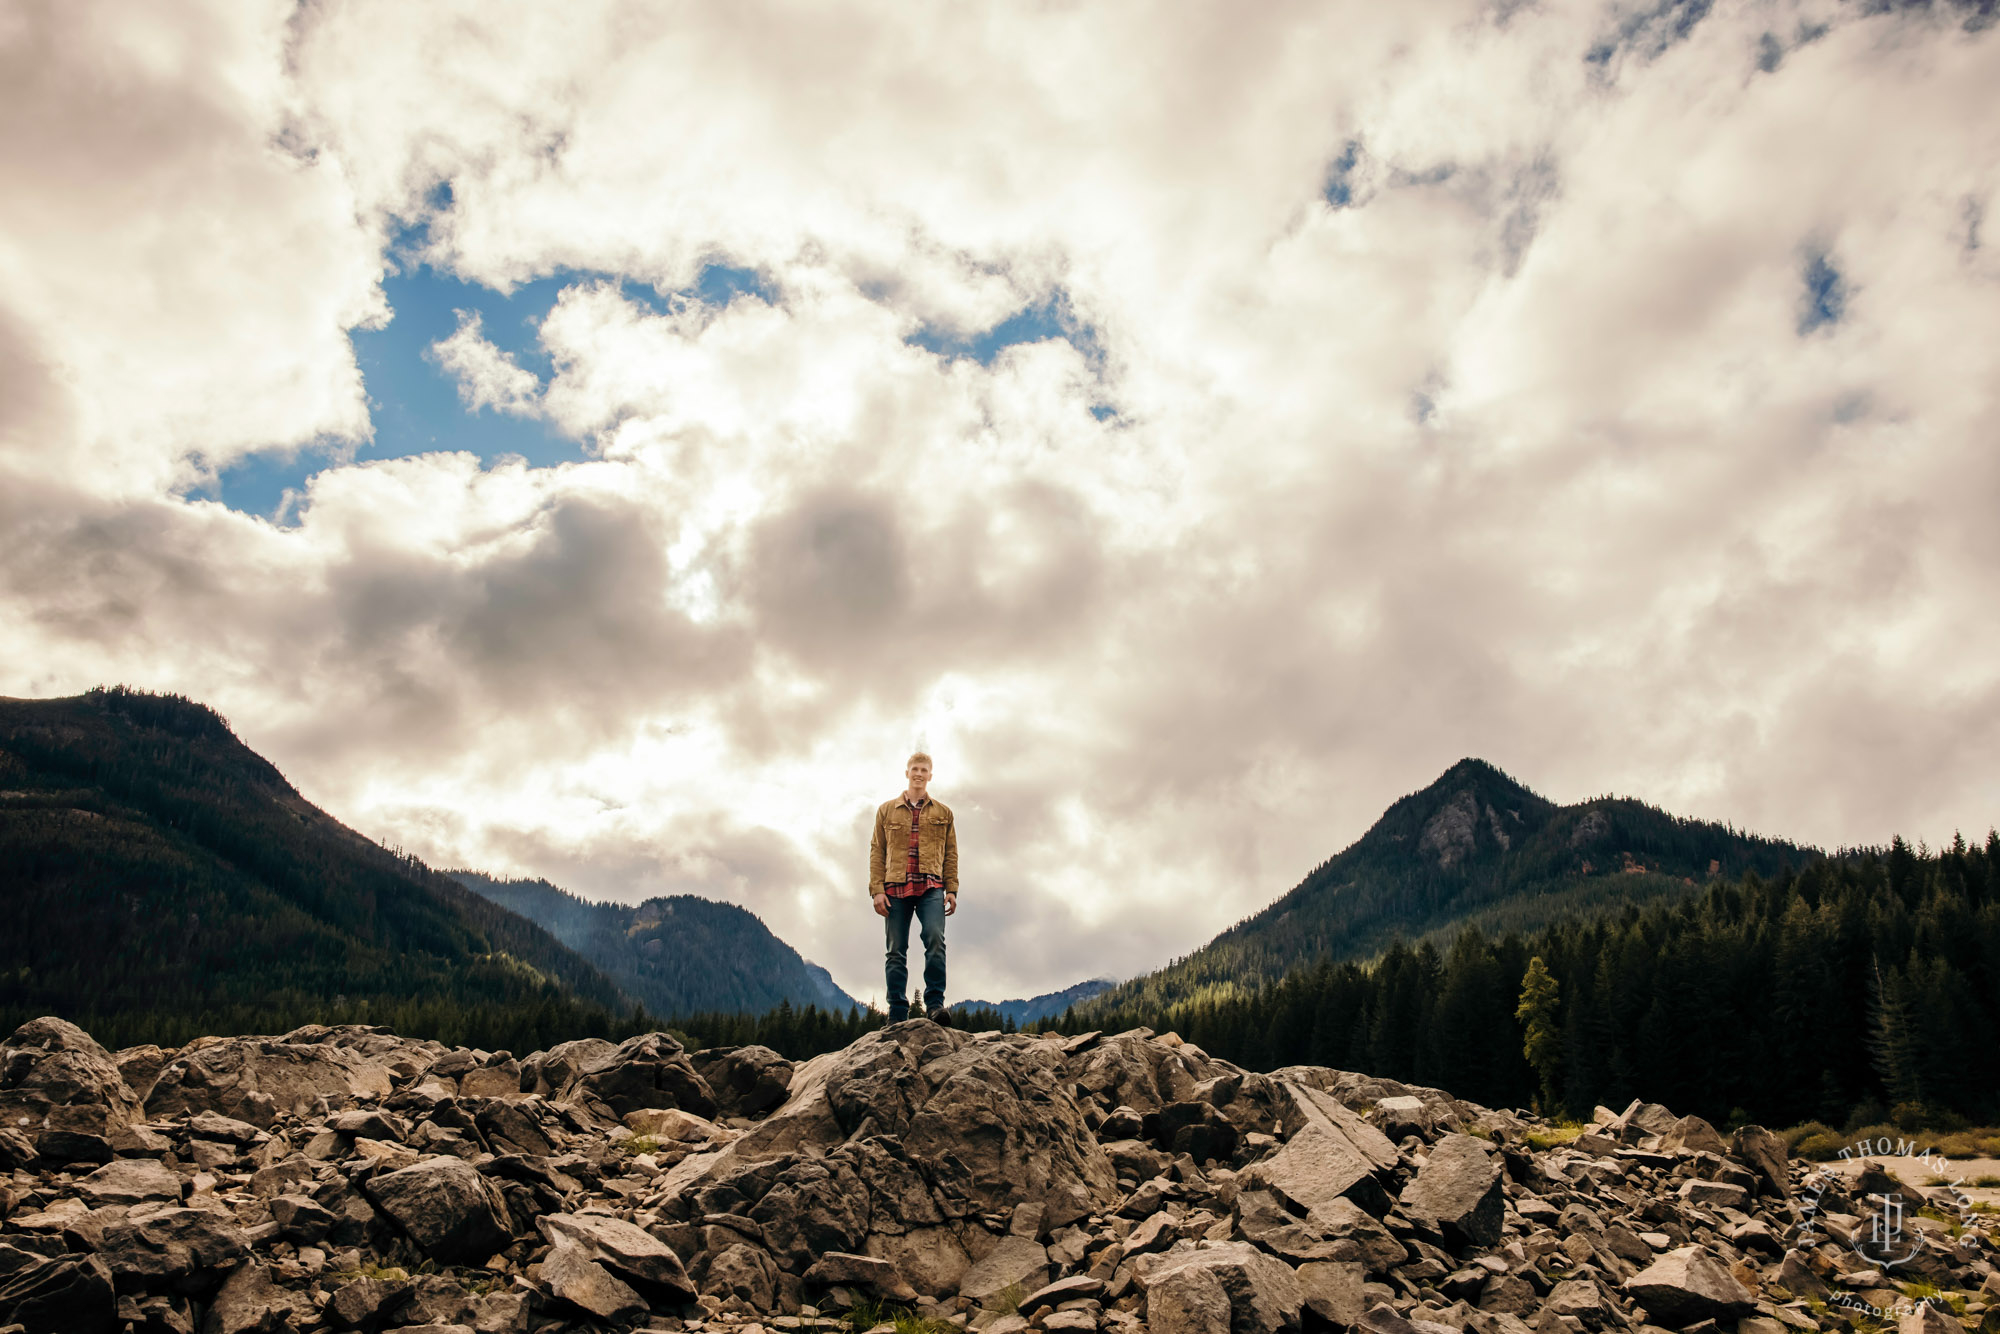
(746, 1081)
(190, 1249)
(55, 1076)
(1691, 1134)
(1135, 1070)
(253, 1079)
(999, 1127)
(630, 1250)
(547, 1072)
(651, 1070)
(131, 1181)
(1319, 1164)
(1457, 1191)
(1686, 1285)
(572, 1276)
(962, 1126)
(1230, 1288)
(448, 1209)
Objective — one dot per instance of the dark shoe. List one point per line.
(898, 1016)
(941, 1017)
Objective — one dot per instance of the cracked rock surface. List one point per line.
(334, 1179)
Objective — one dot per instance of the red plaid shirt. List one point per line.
(915, 882)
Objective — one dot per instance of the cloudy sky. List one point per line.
(598, 440)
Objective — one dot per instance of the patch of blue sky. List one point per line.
(1052, 317)
(1824, 300)
(1339, 191)
(414, 404)
(1651, 29)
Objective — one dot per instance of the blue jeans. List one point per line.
(928, 909)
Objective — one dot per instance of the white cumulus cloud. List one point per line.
(1409, 381)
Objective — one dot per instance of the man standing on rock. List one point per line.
(913, 872)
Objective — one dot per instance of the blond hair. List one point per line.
(919, 755)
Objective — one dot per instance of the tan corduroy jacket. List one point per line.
(937, 845)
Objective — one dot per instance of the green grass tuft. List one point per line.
(1562, 1133)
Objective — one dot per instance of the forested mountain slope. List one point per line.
(1854, 989)
(1473, 848)
(162, 880)
(676, 956)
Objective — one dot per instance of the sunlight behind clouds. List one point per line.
(1198, 429)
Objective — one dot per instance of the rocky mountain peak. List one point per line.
(349, 1179)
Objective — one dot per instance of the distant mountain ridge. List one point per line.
(677, 956)
(1473, 848)
(1045, 1006)
(160, 879)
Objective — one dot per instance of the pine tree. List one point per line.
(1542, 1039)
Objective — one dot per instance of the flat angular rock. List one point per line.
(1766, 1155)
(224, 1129)
(169, 1246)
(1688, 1284)
(72, 1294)
(1580, 1299)
(301, 1220)
(1012, 1261)
(1457, 1190)
(1260, 1295)
(1332, 1289)
(671, 1123)
(1154, 1234)
(1062, 1290)
(1344, 1219)
(1317, 1166)
(1795, 1276)
(1691, 1134)
(250, 1303)
(364, 1301)
(451, 1212)
(572, 1276)
(491, 1081)
(838, 1268)
(1509, 1294)
(131, 1181)
(1260, 1219)
(933, 1259)
(1713, 1194)
(625, 1247)
(139, 1067)
(1926, 1318)
(1188, 1302)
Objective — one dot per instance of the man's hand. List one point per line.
(882, 905)
(950, 904)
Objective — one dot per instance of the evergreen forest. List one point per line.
(1847, 990)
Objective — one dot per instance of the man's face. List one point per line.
(919, 775)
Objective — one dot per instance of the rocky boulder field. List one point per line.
(349, 1179)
